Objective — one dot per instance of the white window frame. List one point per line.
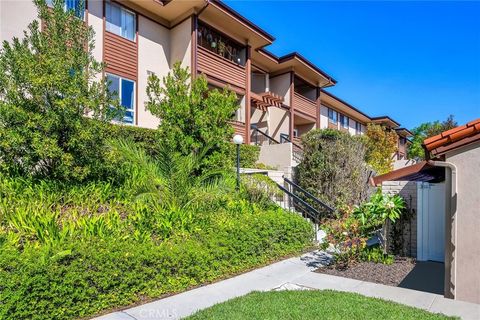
(132, 110)
(122, 8)
(295, 133)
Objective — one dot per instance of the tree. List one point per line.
(381, 145)
(333, 167)
(47, 89)
(193, 116)
(427, 130)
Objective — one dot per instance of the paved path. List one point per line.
(294, 273)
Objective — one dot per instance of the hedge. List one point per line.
(82, 278)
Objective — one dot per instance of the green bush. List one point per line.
(353, 226)
(193, 115)
(259, 188)
(147, 139)
(47, 86)
(79, 278)
(333, 167)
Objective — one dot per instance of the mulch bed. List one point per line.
(390, 275)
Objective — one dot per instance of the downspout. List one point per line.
(452, 208)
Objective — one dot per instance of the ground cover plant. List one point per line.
(311, 304)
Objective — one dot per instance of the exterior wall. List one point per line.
(240, 113)
(95, 20)
(15, 16)
(465, 224)
(181, 44)
(277, 155)
(304, 128)
(408, 191)
(323, 117)
(260, 119)
(281, 85)
(279, 122)
(153, 56)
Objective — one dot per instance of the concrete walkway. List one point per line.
(294, 273)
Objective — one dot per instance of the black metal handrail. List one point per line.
(304, 208)
(311, 212)
(286, 138)
(308, 194)
(264, 136)
(297, 151)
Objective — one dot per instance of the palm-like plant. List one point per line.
(170, 188)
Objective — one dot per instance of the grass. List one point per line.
(306, 305)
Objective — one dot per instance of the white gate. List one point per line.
(431, 222)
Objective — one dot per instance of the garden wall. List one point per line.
(403, 236)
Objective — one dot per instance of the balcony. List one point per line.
(306, 107)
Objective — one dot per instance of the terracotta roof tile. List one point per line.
(446, 138)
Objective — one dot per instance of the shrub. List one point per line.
(47, 87)
(349, 231)
(259, 188)
(193, 115)
(80, 278)
(333, 167)
(381, 145)
(248, 155)
(380, 208)
(146, 139)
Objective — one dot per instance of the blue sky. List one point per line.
(413, 61)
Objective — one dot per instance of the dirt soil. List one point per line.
(390, 275)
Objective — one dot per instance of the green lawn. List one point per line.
(311, 305)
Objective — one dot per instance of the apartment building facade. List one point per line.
(280, 98)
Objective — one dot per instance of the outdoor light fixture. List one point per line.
(238, 140)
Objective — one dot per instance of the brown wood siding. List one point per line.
(332, 125)
(220, 68)
(305, 106)
(239, 128)
(120, 55)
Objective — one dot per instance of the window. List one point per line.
(295, 133)
(124, 89)
(358, 127)
(344, 121)
(212, 40)
(332, 115)
(76, 5)
(120, 21)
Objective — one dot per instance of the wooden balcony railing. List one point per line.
(220, 68)
(239, 128)
(305, 105)
(120, 56)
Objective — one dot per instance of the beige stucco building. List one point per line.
(280, 98)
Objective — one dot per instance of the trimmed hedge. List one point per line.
(82, 278)
(333, 167)
(143, 137)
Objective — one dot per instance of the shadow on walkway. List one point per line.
(426, 276)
